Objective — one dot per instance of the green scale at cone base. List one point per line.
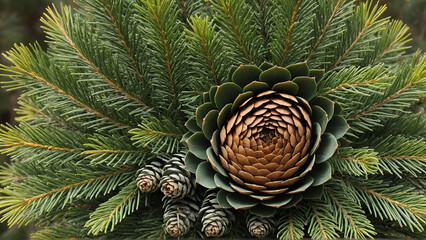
(263, 139)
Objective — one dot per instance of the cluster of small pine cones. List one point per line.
(183, 206)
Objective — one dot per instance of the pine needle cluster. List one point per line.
(121, 77)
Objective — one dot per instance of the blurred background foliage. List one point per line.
(413, 13)
(19, 23)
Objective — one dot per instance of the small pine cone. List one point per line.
(258, 226)
(180, 214)
(176, 181)
(150, 175)
(215, 220)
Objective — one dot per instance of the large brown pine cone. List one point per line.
(264, 139)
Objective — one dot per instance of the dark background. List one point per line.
(19, 23)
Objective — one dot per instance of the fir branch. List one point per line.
(391, 230)
(209, 59)
(64, 230)
(206, 41)
(11, 137)
(324, 30)
(29, 200)
(371, 23)
(113, 211)
(356, 162)
(163, 32)
(30, 111)
(408, 125)
(329, 24)
(194, 8)
(380, 107)
(396, 203)
(54, 23)
(184, 10)
(377, 105)
(262, 17)
(292, 31)
(226, 6)
(241, 33)
(289, 32)
(350, 217)
(115, 21)
(150, 225)
(114, 152)
(62, 92)
(36, 195)
(158, 135)
(167, 54)
(380, 78)
(420, 158)
(394, 37)
(291, 223)
(321, 221)
(25, 59)
(67, 225)
(264, 12)
(44, 145)
(400, 155)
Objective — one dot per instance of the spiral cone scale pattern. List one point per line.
(264, 138)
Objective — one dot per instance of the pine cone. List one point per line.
(180, 215)
(216, 221)
(149, 176)
(258, 226)
(266, 137)
(176, 181)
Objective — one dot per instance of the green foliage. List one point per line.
(237, 22)
(41, 145)
(293, 23)
(113, 151)
(349, 216)
(388, 201)
(401, 155)
(121, 77)
(408, 125)
(292, 223)
(158, 135)
(321, 221)
(163, 33)
(328, 26)
(207, 53)
(113, 211)
(359, 38)
(356, 162)
(37, 195)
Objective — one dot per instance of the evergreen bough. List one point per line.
(120, 79)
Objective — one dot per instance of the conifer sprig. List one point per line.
(292, 223)
(321, 222)
(164, 35)
(38, 195)
(237, 21)
(120, 78)
(34, 69)
(356, 37)
(349, 216)
(113, 211)
(387, 201)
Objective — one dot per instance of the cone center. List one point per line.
(267, 135)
